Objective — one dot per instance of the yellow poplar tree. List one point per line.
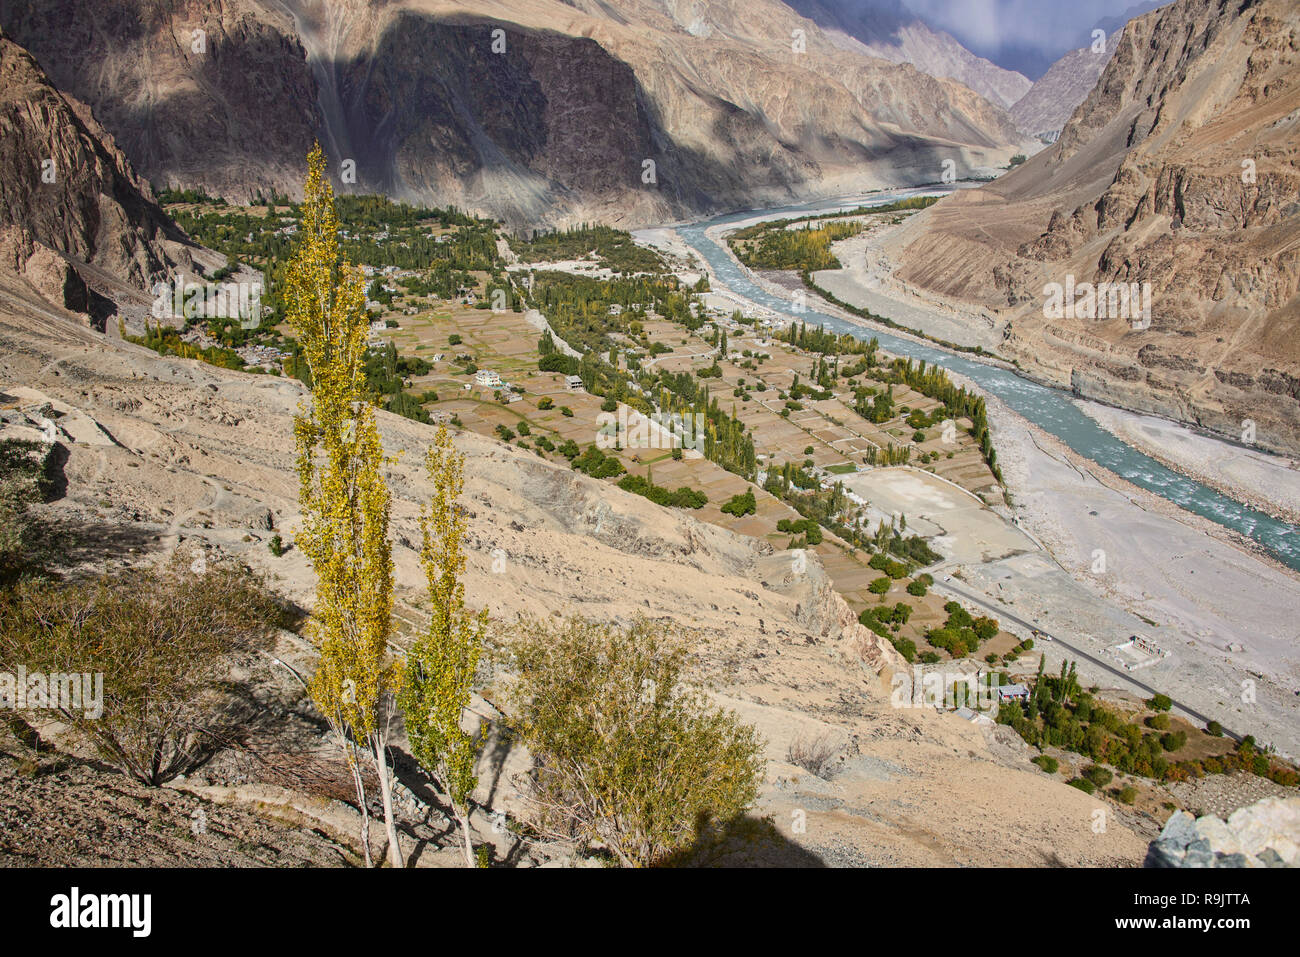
(344, 500)
(442, 663)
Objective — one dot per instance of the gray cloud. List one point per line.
(1032, 33)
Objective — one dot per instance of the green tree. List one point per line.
(443, 662)
(345, 503)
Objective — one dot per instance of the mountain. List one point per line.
(1113, 24)
(75, 222)
(1181, 169)
(1053, 97)
(562, 125)
(886, 29)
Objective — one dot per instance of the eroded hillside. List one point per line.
(1179, 170)
(535, 111)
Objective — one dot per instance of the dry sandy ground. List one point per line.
(204, 455)
(866, 281)
(956, 522)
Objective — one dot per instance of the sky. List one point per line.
(1025, 35)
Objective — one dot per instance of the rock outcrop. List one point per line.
(75, 221)
(1264, 834)
(1046, 106)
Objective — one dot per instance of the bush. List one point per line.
(1083, 784)
(741, 505)
(1173, 741)
(1160, 702)
(277, 545)
(684, 497)
(905, 647)
(1098, 775)
(164, 640)
(627, 752)
(544, 403)
(1127, 794)
(1214, 728)
(1158, 721)
(596, 463)
(917, 588)
(880, 585)
(566, 412)
(1047, 763)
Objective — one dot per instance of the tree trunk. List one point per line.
(386, 792)
(360, 786)
(463, 818)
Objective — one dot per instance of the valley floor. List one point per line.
(1193, 586)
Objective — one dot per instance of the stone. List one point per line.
(1218, 834)
(1269, 858)
(1179, 831)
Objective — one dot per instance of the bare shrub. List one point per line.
(164, 640)
(23, 483)
(628, 754)
(816, 754)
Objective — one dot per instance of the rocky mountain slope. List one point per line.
(1181, 169)
(555, 118)
(75, 221)
(1053, 97)
(885, 29)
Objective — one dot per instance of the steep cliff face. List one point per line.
(556, 117)
(74, 219)
(1181, 169)
(885, 29)
(1054, 95)
(196, 92)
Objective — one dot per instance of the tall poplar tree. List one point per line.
(344, 500)
(442, 663)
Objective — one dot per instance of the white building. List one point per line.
(488, 378)
(1012, 693)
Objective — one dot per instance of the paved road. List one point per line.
(1002, 613)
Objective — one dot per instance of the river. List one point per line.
(1052, 410)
